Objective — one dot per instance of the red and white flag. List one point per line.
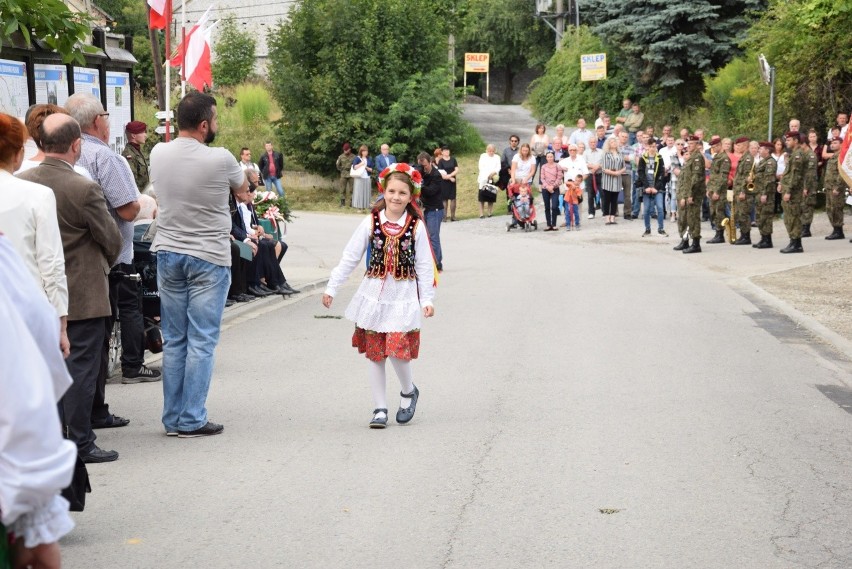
(159, 14)
(194, 54)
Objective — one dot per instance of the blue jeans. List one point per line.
(274, 181)
(571, 209)
(192, 299)
(433, 226)
(656, 201)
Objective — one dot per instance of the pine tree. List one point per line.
(671, 46)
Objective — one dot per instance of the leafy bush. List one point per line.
(559, 95)
(342, 72)
(234, 60)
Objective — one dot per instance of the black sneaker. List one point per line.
(143, 375)
(205, 431)
(647, 233)
(662, 232)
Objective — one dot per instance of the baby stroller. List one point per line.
(527, 224)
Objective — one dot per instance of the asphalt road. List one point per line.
(588, 399)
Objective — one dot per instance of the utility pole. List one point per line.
(560, 22)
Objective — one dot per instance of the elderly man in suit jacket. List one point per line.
(91, 243)
(384, 159)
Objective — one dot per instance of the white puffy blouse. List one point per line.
(386, 305)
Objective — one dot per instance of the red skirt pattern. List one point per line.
(379, 345)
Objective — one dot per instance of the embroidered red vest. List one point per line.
(392, 254)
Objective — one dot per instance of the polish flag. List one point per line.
(195, 57)
(845, 160)
(159, 14)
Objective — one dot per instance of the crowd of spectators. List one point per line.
(625, 161)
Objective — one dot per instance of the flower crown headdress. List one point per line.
(407, 169)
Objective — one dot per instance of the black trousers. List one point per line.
(84, 365)
(265, 264)
(609, 202)
(239, 272)
(593, 186)
(126, 296)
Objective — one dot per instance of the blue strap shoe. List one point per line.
(405, 415)
(379, 422)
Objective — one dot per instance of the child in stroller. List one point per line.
(523, 209)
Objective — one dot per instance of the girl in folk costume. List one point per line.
(398, 288)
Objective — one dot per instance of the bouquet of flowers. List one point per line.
(271, 206)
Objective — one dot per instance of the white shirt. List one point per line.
(582, 135)
(574, 167)
(487, 165)
(386, 305)
(246, 215)
(28, 218)
(523, 168)
(35, 461)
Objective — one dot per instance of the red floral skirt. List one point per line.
(379, 345)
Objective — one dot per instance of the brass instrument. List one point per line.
(750, 179)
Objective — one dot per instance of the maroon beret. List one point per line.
(791, 134)
(692, 138)
(715, 140)
(741, 139)
(768, 145)
(346, 146)
(136, 127)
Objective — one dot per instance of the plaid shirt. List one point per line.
(112, 172)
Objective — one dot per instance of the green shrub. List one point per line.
(560, 96)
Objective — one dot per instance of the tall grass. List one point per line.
(253, 103)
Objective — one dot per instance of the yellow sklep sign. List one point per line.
(592, 66)
(476, 62)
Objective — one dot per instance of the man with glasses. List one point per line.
(112, 172)
(506, 162)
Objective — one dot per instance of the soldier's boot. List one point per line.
(795, 246)
(806, 230)
(745, 238)
(765, 242)
(684, 243)
(719, 237)
(695, 247)
(836, 234)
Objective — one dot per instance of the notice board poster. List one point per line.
(118, 107)
(51, 83)
(14, 97)
(87, 80)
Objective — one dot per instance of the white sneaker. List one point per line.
(591, 216)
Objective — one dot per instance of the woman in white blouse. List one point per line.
(28, 219)
(523, 166)
(489, 169)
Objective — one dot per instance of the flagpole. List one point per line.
(168, 70)
(183, 55)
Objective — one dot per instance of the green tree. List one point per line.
(808, 42)
(49, 21)
(669, 47)
(509, 31)
(340, 66)
(234, 49)
(559, 95)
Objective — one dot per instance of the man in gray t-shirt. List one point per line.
(193, 182)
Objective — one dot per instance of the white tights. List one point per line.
(378, 383)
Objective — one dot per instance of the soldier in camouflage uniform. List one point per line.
(691, 194)
(765, 184)
(717, 188)
(742, 194)
(137, 133)
(835, 191)
(811, 183)
(680, 194)
(792, 193)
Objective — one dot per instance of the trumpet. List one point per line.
(750, 179)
